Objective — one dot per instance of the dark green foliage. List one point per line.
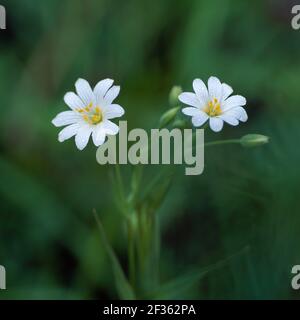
(49, 241)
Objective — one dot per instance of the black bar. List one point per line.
(191, 309)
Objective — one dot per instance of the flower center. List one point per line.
(213, 108)
(91, 114)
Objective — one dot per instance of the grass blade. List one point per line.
(123, 286)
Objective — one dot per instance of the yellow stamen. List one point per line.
(86, 118)
(213, 108)
(89, 107)
(92, 115)
(96, 118)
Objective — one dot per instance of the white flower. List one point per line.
(90, 114)
(214, 104)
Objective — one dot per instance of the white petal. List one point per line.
(101, 88)
(68, 132)
(199, 119)
(84, 91)
(83, 136)
(190, 111)
(229, 119)
(227, 91)
(98, 135)
(66, 118)
(216, 124)
(243, 114)
(110, 127)
(239, 113)
(73, 101)
(113, 111)
(200, 90)
(189, 98)
(111, 94)
(214, 88)
(233, 101)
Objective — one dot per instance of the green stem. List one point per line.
(123, 203)
(141, 251)
(219, 142)
(156, 249)
(131, 253)
(119, 181)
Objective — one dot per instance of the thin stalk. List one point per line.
(156, 249)
(140, 248)
(219, 142)
(144, 246)
(131, 253)
(119, 181)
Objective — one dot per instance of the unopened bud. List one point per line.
(173, 97)
(179, 124)
(253, 140)
(168, 116)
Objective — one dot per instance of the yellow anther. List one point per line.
(96, 118)
(91, 115)
(213, 108)
(86, 118)
(88, 107)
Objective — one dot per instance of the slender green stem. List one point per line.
(123, 203)
(119, 181)
(144, 245)
(131, 253)
(141, 241)
(156, 249)
(219, 142)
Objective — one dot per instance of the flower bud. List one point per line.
(173, 97)
(180, 124)
(168, 116)
(253, 140)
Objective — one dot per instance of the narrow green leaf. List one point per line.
(157, 190)
(119, 192)
(123, 286)
(177, 287)
(136, 180)
(168, 117)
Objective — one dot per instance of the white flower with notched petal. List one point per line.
(90, 114)
(214, 104)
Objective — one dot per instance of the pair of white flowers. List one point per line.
(92, 110)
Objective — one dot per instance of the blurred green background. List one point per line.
(49, 242)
